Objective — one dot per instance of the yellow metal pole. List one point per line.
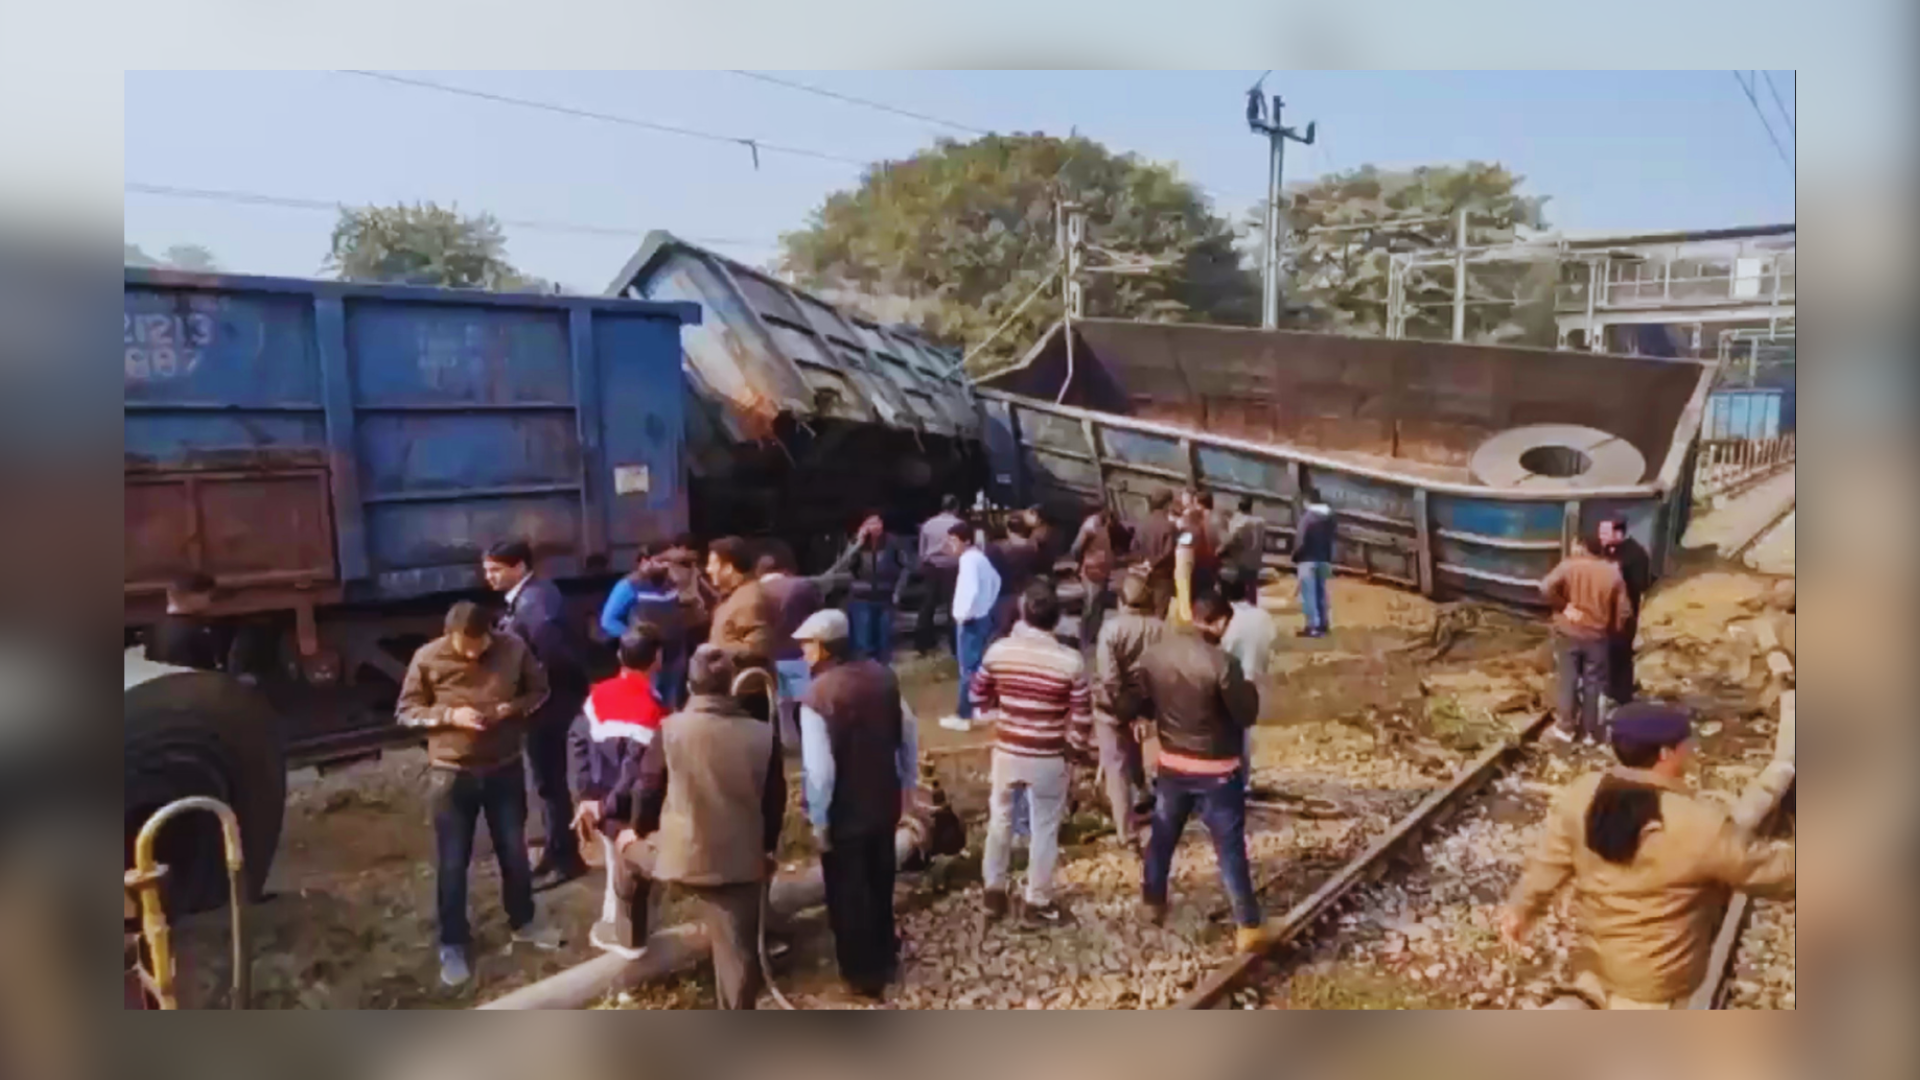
(144, 882)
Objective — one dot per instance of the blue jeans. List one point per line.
(1222, 803)
(458, 798)
(1313, 593)
(870, 623)
(970, 647)
(670, 681)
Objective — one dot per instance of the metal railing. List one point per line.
(1728, 466)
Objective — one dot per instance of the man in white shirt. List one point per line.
(975, 590)
(1250, 635)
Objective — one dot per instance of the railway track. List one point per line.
(1298, 925)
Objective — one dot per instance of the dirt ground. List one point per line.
(1400, 691)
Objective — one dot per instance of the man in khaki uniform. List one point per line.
(1652, 866)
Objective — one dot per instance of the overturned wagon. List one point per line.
(802, 416)
(1458, 470)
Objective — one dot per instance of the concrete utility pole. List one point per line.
(1277, 136)
(1460, 278)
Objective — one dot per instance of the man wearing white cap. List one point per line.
(860, 754)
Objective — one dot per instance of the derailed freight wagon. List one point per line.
(801, 416)
(337, 457)
(1457, 470)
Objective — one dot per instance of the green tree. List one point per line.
(424, 244)
(191, 257)
(176, 257)
(1341, 231)
(954, 238)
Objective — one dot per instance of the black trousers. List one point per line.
(1620, 682)
(458, 799)
(547, 769)
(936, 592)
(858, 872)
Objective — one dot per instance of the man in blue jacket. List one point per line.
(536, 615)
(1313, 562)
(647, 596)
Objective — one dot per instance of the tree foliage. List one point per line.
(1341, 274)
(956, 237)
(424, 244)
(176, 257)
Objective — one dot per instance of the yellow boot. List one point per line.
(1251, 939)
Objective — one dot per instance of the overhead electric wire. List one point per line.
(1780, 103)
(753, 144)
(867, 103)
(251, 198)
(1761, 112)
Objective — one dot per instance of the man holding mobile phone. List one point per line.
(473, 691)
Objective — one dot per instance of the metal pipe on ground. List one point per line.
(676, 949)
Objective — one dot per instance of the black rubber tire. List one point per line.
(201, 733)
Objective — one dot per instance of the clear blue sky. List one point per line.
(1626, 150)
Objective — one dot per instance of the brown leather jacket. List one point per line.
(1124, 635)
(1648, 927)
(1200, 700)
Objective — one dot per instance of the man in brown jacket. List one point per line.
(472, 691)
(1154, 541)
(1123, 637)
(710, 796)
(1652, 866)
(746, 624)
(1590, 606)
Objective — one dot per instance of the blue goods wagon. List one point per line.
(337, 456)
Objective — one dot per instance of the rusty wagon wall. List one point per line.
(1383, 430)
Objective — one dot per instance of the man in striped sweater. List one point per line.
(1037, 691)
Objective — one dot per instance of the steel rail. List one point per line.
(1232, 975)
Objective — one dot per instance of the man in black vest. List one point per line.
(860, 755)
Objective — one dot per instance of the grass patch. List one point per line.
(1457, 727)
(1349, 989)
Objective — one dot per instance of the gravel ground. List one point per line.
(1763, 972)
(1356, 728)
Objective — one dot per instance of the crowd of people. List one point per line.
(726, 659)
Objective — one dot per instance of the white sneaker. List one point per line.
(955, 723)
(453, 966)
(538, 934)
(1560, 736)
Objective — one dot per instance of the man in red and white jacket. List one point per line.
(1037, 691)
(621, 717)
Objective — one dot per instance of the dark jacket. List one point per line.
(1154, 543)
(878, 573)
(1245, 543)
(440, 680)
(793, 599)
(1199, 699)
(537, 615)
(1124, 638)
(1313, 543)
(1636, 570)
(860, 701)
(1018, 560)
(711, 791)
(620, 718)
